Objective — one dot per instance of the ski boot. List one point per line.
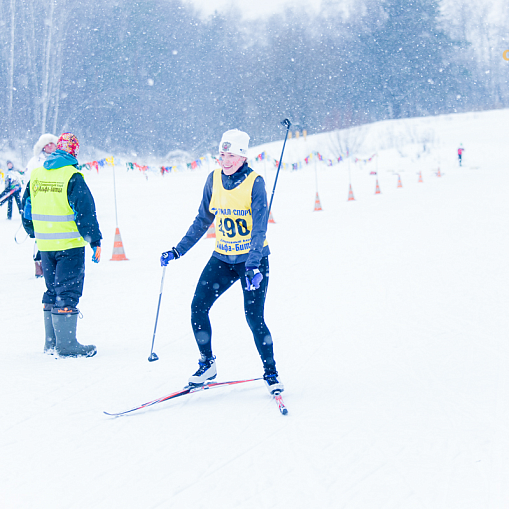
(206, 372)
(272, 381)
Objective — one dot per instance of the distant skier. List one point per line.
(12, 191)
(46, 145)
(236, 199)
(59, 211)
(460, 152)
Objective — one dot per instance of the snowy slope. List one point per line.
(390, 326)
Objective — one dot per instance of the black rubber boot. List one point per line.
(65, 322)
(50, 341)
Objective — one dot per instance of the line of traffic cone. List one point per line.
(350, 194)
(118, 248)
(211, 232)
(318, 205)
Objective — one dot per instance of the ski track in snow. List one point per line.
(389, 318)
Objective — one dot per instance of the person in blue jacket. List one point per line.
(59, 211)
(234, 197)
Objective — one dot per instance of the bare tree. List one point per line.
(30, 38)
(348, 142)
(43, 35)
(10, 86)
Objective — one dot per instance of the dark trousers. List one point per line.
(64, 273)
(8, 196)
(216, 278)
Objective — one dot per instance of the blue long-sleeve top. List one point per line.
(205, 218)
(79, 197)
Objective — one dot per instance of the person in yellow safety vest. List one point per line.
(234, 197)
(45, 145)
(59, 211)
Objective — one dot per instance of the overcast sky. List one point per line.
(261, 8)
(254, 8)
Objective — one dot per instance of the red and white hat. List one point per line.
(68, 143)
(235, 141)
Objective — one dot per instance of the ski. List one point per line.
(186, 390)
(280, 403)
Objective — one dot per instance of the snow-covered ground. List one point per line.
(390, 325)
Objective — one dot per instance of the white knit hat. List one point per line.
(235, 141)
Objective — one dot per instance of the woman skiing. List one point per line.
(235, 197)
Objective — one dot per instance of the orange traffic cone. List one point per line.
(420, 177)
(350, 194)
(377, 190)
(318, 205)
(399, 181)
(118, 248)
(271, 218)
(211, 232)
(438, 173)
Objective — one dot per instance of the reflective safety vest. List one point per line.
(52, 216)
(234, 216)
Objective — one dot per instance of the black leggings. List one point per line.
(216, 278)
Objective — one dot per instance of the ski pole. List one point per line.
(287, 124)
(153, 356)
(16, 235)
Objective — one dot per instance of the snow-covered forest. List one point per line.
(154, 76)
